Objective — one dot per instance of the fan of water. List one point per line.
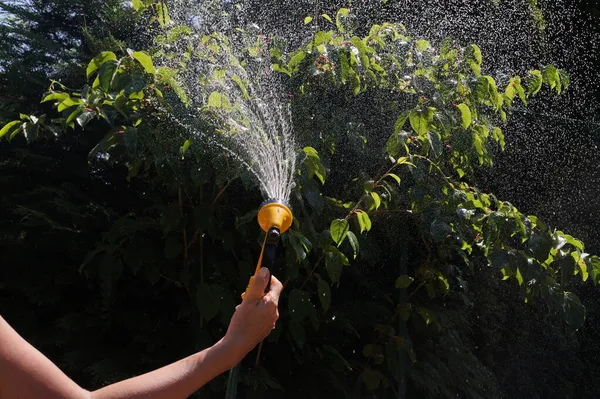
(252, 120)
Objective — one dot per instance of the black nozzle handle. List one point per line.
(270, 251)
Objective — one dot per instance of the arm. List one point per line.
(26, 373)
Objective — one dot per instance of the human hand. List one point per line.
(255, 317)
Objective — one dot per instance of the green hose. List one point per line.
(232, 382)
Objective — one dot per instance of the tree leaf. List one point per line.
(435, 143)
(343, 12)
(593, 266)
(186, 145)
(465, 112)
(535, 82)
(377, 199)
(99, 60)
(163, 14)
(473, 53)
(55, 96)
(307, 20)
(353, 243)
(105, 76)
(393, 176)
(324, 294)
(215, 100)
(422, 45)
(404, 281)
(327, 17)
(420, 121)
(540, 245)
(372, 378)
(363, 221)
(334, 263)
(8, 127)
(400, 122)
(85, 117)
(145, 60)
(339, 229)
(574, 310)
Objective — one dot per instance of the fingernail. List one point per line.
(263, 273)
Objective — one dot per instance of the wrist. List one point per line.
(233, 350)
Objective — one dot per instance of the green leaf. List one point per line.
(372, 378)
(540, 245)
(324, 293)
(339, 228)
(535, 82)
(298, 333)
(8, 127)
(435, 143)
(353, 243)
(85, 117)
(186, 145)
(364, 221)
(145, 60)
(74, 115)
(295, 59)
(105, 76)
(552, 77)
(422, 45)
(393, 176)
(55, 96)
(420, 121)
(68, 103)
(327, 17)
(343, 12)
(465, 112)
(404, 281)
(163, 14)
(566, 265)
(593, 266)
(334, 263)
(307, 20)
(137, 4)
(574, 310)
(377, 199)
(99, 60)
(473, 53)
(400, 122)
(439, 230)
(215, 100)
(314, 165)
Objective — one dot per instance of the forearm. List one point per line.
(177, 380)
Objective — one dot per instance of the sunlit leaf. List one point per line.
(99, 60)
(404, 281)
(339, 228)
(145, 60)
(465, 112)
(353, 243)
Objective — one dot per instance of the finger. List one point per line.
(276, 288)
(257, 286)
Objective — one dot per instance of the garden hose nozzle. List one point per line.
(275, 218)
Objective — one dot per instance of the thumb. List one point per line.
(258, 283)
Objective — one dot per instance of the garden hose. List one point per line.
(274, 218)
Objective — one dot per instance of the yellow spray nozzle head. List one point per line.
(275, 213)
